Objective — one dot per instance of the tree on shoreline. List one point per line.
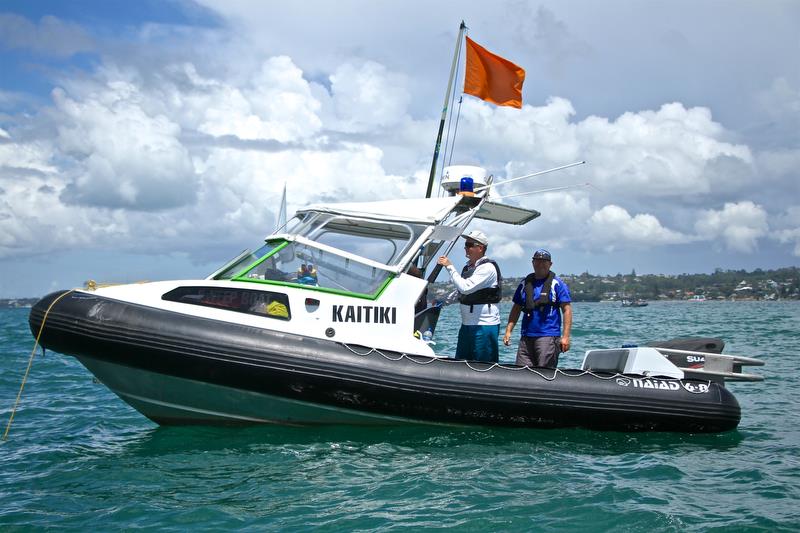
(783, 283)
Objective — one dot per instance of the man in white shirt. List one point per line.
(478, 291)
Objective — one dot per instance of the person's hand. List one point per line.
(564, 344)
(507, 338)
(444, 261)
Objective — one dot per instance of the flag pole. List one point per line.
(444, 109)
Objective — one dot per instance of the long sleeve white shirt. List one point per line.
(484, 277)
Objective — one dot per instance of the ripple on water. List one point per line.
(79, 458)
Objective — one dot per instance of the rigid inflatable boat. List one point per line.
(318, 326)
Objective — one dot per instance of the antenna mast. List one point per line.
(461, 30)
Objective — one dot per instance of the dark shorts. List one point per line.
(478, 343)
(539, 351)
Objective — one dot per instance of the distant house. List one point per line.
(743, 286)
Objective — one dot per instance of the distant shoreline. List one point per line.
(722, 285)
(27, 303)
(4, 303)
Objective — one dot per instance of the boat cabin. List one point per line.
(349, 263)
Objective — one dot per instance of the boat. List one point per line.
(698, 298)
(634, 303)
(322, 324)
(318, 326)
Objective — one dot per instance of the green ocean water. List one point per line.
(78, 458)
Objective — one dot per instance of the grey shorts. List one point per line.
(539, 351)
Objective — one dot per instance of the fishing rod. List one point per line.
(531, 175)
(539, 191)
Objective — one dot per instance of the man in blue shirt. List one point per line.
(544, 298)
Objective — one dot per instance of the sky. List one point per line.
(153, 139)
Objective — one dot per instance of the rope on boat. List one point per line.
(30, 363)
(512, 368)
(390, 358)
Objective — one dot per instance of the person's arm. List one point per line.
(484, 276)
(566, 309)
(513, 316)
(452, 296)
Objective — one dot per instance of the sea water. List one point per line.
(78, 458)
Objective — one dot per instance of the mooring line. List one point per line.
(30, 363)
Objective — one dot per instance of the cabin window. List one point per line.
(262, 303)
(299, 264)
(381, 241)
(239, 264)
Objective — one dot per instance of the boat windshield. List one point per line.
(284, 262)
(339, 257)
(245, 259)
(382, 241)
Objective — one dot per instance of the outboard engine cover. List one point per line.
(692, 344)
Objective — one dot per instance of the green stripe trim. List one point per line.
(340, 292)
(323, 289)
(251, 266)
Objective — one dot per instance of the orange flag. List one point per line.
(492, 78)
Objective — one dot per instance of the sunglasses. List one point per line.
(471, 244)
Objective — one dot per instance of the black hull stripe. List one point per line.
(314, 370)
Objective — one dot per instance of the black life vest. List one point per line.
(489, 295)
(544, 297)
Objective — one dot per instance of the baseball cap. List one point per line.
(541, 253)
(477, 236)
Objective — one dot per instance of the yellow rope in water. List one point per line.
(30, 363)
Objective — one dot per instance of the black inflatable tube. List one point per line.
(330, 374)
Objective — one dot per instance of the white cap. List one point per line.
(477, 236)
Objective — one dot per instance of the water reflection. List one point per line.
(167, 440)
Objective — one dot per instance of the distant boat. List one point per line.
(698, 298)
(634, 303)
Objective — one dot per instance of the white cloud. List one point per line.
(33, 219)
(737, 225)
(506, 134)
(242, 187)
(120, 153)
(789, 232)
(508, 250)
(781, 99)
(562, 225)
(24, 158)
(612, 227)
(367, 97)
(791, 236)
(668, 153)
(123, 157)
(276, 103)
